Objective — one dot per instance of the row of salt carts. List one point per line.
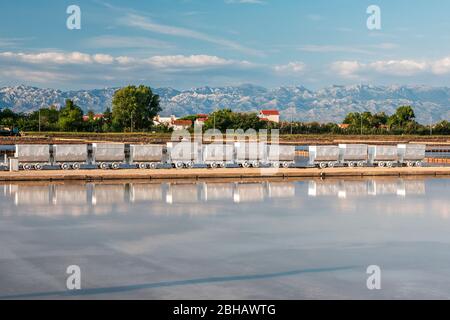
(362, 155)
(181, 154)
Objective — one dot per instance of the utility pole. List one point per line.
(292, 120)
(431, 125)
(360, 115)
(131, 123)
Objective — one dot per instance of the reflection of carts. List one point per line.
(217, 191)
(69, 194)
(182, 193)
(145, 192)
(248, 192)
(280, 189)
(33, 195)
(382, 187)
(108, 194)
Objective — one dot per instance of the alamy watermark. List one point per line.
(374, 280)
(74, 20)
(374, 19)
(73, 281)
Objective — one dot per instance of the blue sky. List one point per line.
(191, 43)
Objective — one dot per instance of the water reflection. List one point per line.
(179, 193)
(199, 239)
(360, 188)
(104, 198)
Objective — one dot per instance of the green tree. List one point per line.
(134, 108)
(220, 119)
(403, 118)
(107, 120)
(70, 117)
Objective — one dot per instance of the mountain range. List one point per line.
(294, 102)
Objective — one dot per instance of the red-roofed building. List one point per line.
(270, 115)
(343, 125)
(181, 124)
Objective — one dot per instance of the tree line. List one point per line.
(134, 107)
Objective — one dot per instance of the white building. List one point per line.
(270, 115)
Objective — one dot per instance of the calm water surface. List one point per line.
(226, 240)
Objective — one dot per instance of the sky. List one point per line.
(191, 43)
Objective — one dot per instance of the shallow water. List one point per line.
(227, 240)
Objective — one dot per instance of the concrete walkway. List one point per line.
(238, 173)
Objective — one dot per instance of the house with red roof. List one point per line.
(270, 115)
(95, 117)
(181, 124)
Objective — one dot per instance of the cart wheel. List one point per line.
(142, 166)
(104, 166)
(381, 164)
(65, 166)
(189, 165)
(331, 164)
(38, 166)
(351, 164)
(76, 166)
(213, 165)
(322, 165)
(245, 164)
(179, 165)
(390, 164)
(152, 165)
(410, 164)
(361, 164)
(115, 165)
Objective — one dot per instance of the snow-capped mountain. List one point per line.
(327, 104)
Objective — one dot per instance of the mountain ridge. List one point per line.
(330, 103)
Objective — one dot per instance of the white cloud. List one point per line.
(49, 57)
(291, 67)
(441, 66)
(398, 67)
(347, 69)
(401, 68)
(245, 1)
(193, 61)
(201, 61)
(143, 23)
(103, 58)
